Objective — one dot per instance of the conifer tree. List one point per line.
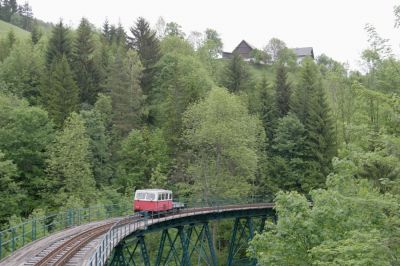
(123, 83)
(310, 106)
(268, 109)
(145, 42)
(36, 34)
(236, 74)
(59, 44)
(13, 6)
(112, 34)
(106, 31)
(6, 45)
(287, 165)
(282, 91)
(86, 74)
(60, 95)
(6, 10)
(120, 36)
(99, 145)
(11, 39)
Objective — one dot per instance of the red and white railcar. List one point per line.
(153, 200)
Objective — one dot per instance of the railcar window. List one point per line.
(159, 196)
(163, 196)
(140, 196)
(150, 196)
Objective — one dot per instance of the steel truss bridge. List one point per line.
(182, 237)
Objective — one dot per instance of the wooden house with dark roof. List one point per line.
(303, 52)
(244, 49)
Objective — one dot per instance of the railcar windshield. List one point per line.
(140, 195)
(150, 196)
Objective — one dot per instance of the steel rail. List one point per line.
(73, 245)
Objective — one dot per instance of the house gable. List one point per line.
(303, 52)
(244, 49)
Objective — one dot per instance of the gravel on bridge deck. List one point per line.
(27, 255)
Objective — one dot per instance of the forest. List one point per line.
(89, 115)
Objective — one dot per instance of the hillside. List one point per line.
(7, 27)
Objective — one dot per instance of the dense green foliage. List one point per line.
(87, 116)
(350, 223)
(224, 141)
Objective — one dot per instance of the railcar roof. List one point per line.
(154, 190)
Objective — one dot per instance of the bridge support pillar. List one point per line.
(186, 245)
(243, 231)
(124, 255)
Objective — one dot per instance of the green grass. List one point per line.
(5, 28)
(259, 71)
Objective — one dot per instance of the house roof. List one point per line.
(303, 51)
(248, 44)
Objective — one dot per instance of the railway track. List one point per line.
(64, 252)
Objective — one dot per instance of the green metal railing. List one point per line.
(18, 236)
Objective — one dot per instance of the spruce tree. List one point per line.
(268, 109)
(86, 74)
(282, 91)
(123, 83)
(311, 107)
(59, 44)
(236, 74)
(60, 95)
(287, 165)
(112, 34)
(105, 32)
(13, 6)
(120, 36)
(99, 145)
(144, 41)
(36, 34)
(6, 10)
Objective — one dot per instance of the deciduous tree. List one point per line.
(223, 139)
(69, 169)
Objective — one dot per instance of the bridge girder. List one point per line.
(187, 244)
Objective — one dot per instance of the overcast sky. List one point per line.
(333, 27)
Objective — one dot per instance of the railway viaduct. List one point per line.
(183, 238)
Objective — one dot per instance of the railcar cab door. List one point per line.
(163, 199)
(145, 200)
